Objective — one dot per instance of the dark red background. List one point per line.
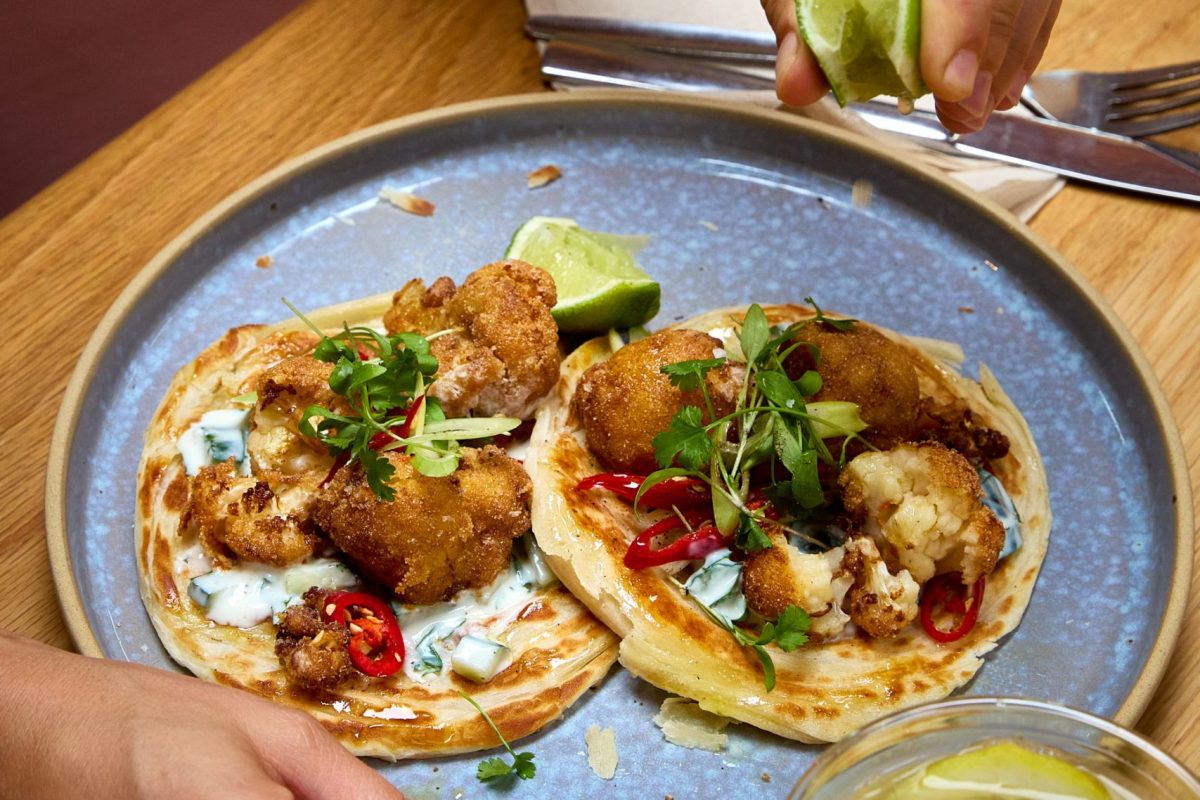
(76, 73)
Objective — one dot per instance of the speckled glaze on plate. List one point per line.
(741, 205)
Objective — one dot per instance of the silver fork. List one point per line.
(1127, 103)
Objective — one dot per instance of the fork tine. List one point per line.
(1121, 97)
(1144, 77)
(1154, 125)
(1122, 111)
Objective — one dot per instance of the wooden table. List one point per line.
(334, 66)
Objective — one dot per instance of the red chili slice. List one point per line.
(702, 540)
(376, 643)
(947, 592)
(679, 492)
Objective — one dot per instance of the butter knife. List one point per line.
(1075, 153)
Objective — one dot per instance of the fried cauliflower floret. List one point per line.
(285, 390)
(502, 356)
(862, 366)
(314, 653)
(922, 505)
(782, 576)
(438, 535)
(879, 603)
(261, 518)
(626, 401)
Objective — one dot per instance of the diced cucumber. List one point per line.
(478, 659)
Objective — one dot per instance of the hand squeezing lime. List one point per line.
(599, 284)
(865, 47)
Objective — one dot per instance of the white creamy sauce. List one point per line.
(252, 593)
(218, 436)
(433, 633)
(717, 585)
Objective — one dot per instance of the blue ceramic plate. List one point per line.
(740, 206)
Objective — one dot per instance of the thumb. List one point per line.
(315, 767)
(798, 78)
(954, 34)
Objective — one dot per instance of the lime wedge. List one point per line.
(1004, 770)
(599, 284)
(865, 47)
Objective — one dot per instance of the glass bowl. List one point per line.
(1130, 767)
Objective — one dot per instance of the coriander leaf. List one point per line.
(491, 769)
(496, 768)
(791, 629)
(361, 374)
(836, 324)
(755, 333)
(687, 375)
(750, 536)
(809, 383)
(523, 765)
(378, 470)
(686, 439)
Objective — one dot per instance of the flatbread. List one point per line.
(824, 691)
(559, 649)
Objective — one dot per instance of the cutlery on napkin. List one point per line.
(1022, 190)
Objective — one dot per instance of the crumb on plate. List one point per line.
(408, 202)
(542, 176)
(602, 751)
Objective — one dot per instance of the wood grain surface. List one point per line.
(334, 66)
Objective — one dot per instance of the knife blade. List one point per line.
(685, 40)
(1075, 153)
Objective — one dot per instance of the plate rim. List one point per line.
(70, 410)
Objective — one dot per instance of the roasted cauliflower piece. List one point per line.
(782, 576)
(438, 535)
(285, 390)
(314, 653)
(263, 518)
(862, 366)
(922, 505)
(501, 355)
(626, 401)
(879, 603)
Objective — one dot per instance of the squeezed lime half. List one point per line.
(1002, 770)
(600, 286)
(865, 47)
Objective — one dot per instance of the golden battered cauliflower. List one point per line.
(438, 535)
(626, 401)
(921, 504)
(285, 390)
(782, 576)
(263, 518)
(879, 603)
(502, 354)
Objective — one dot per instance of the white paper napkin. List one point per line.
(1022, 190)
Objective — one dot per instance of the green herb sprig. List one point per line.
(496, 769)
(774, 423)
(380, 377)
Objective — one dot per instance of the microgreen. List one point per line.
(688, 375)
(496, 768)
(381, 377)
(837, 324)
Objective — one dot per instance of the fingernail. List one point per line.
(787, 55)
(960, 73)
(980, 101)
